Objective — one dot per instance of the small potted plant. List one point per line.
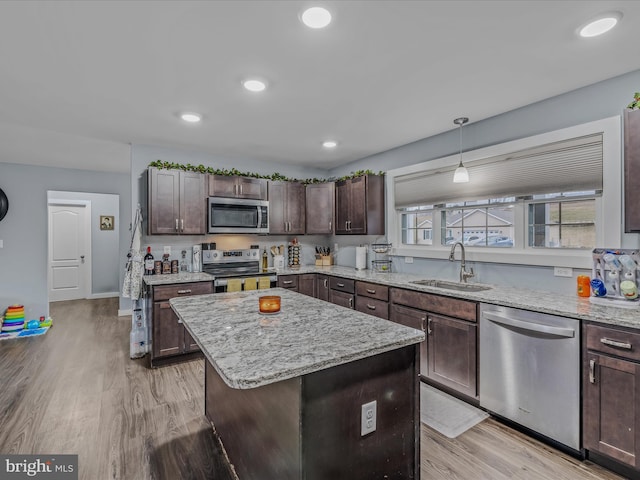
(635, 105)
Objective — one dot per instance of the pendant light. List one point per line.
(461, 174)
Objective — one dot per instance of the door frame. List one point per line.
(86, 278)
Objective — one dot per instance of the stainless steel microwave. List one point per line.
(237, 215)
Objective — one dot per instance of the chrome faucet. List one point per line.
(464, 274)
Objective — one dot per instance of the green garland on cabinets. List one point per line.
(274, 176)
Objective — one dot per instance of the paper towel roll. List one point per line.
(361, 258)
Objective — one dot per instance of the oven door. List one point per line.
(231, 215)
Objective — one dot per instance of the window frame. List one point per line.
(608, 227)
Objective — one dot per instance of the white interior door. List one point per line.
(68, 255)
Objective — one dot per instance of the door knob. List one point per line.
(82, 258)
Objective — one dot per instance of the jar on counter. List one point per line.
(584, 286)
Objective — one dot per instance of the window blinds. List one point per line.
(568, 165)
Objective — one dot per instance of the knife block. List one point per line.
(324, 260)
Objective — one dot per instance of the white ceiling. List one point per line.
(80, 80)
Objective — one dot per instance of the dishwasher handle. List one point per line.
(531, 326)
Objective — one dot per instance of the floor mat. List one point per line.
(31, 332)
(447, 414)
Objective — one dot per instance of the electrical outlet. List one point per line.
(369, 413)
(408, 259)
(563, 271)
(167, 250)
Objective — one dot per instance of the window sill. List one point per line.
(513, 256)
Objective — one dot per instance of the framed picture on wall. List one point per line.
(107, 222)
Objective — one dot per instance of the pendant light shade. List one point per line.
(461, 175)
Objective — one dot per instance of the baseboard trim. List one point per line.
(125, 313)
(103, 295)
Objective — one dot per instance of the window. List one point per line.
(511, 211)
(417, 225)
(558, 221)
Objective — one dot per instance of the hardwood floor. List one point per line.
(75, 390)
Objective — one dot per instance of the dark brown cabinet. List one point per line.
(322, 287)
(307, 284)
(288, 281)
(360, 206)
(169, 337)
(176, 202)
(632, 170)
(452, 337)
(320, 208)
(233, 186)
(611, 379)
(373, 299)
(342, 291)
(286, 208)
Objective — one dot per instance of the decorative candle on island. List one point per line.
(269, 304)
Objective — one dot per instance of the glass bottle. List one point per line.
(265, 260)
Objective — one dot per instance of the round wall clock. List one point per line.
(4, 204)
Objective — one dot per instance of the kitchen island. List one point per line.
(292, 395)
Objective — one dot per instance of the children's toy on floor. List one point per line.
(14, 325)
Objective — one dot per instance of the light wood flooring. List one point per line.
(75, 390)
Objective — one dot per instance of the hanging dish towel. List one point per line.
(234, 285)
(264, 283)
(250, 283)
(132, 285)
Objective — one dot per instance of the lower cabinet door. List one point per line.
(410, 317)
(452, 353)
(611, 410)
(307, 284)
(168, 334)
(190, 344)
(322, 287)
(341, 298)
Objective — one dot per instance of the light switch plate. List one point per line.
(167, 250)
(408, 259)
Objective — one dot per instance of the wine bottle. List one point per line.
(148, 262)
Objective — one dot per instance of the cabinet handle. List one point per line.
(614, 343)
(351, 302)
(422, 320)
(339, 284)
(371, 291)
(326, 283)
(287, 282)
(182, 224)
(235, 190)
(177, 225)
(330, 225)
(165, 305)
(184, 292)
(371, 307)
(241, 189)
(592, 371)
(429, 327)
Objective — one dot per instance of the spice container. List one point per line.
(584, 286)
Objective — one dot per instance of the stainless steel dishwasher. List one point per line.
(530, 370)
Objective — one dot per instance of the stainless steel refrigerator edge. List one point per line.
(530, 371)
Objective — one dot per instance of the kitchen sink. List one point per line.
(461, 287)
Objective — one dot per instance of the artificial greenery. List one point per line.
(636, 102)
(274, 176)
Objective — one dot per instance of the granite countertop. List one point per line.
(527, 299)
(183, 277)
(249, 349)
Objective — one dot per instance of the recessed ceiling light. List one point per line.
(329, 144)
(316, 17)
(600, 25)
(191, 117)
(254, 85)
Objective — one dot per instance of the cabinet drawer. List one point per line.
(342, 284)
(372, 290)
(453, 307)
(165, 292)
(288, 281)
(613, 341)
(341, 298)
(372, 306)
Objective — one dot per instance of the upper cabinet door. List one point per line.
(320, 215)
(164, 201)
(343, 206)
(193, 209)
(286, 208)
(277, 208)
(237, 187)
(632, 171)
(360, 208)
